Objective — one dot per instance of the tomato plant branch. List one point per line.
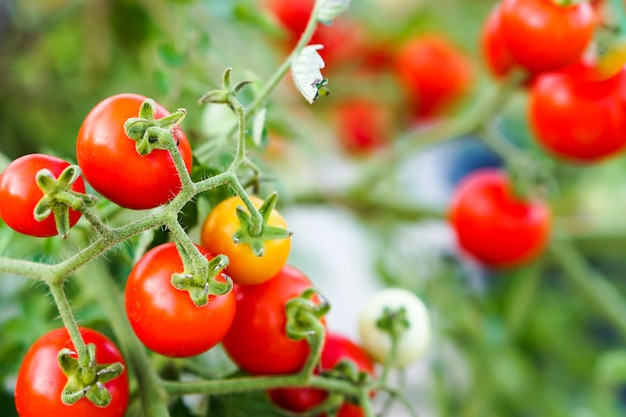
(99, 226)
(23, 268)
(591, 285)
(65, 311)
(259, 383)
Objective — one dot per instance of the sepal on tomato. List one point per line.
(87, 381)
(150, 133)
(59, 197)
(201, 285)
(254, 234)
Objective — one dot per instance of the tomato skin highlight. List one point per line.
(19, 194)
(337, 348)
(434, 73)
(257, 341)
(40, 380)
(544, 36)
(164, 318)
(495, 227)
(244, 267)
(578, 119)
(111, 163)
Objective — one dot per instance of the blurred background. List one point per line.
(522, 342)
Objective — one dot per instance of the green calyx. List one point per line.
(227, 94)
(253, 232)
(202, 282)
(87, 381)
(393, 322)
(304, 315)
(59, 197)
(150, 133)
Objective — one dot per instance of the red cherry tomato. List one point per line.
(164, 318)
(257, 341)
(363, 125)
(494, 50)
(112, 165)
(492, 225)
(579, 119)
(40, 379)
(542, 35)
(433, 72)
(19, 194)
(337, 348)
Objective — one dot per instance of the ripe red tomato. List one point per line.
(542, 35)
(433, 72)
(40, 379)
(492, 225)
(578, 119)
(363, 125)
(257, 341)
(245, 267)
(494, 50)
(19, 194)
(164, 318)
(112, 165)
(337, 348)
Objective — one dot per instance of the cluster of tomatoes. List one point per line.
(250, 320)
(576, 110)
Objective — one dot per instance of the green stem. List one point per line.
(259, 383)
(366, 403)
(65, 311)
(179, 163)
(271, 84)
(256, 220)
(591, 285)
(99, 226)
(151, 394)
(191, 253)
(241, 134)
(27, 269)
(316, 344)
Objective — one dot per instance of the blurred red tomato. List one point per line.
(542, 35)
(493, 225)
(578, 118)
(433, 72)
(363, 125)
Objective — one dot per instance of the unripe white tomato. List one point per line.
(412, 342)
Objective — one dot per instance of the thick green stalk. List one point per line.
(259, 383)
